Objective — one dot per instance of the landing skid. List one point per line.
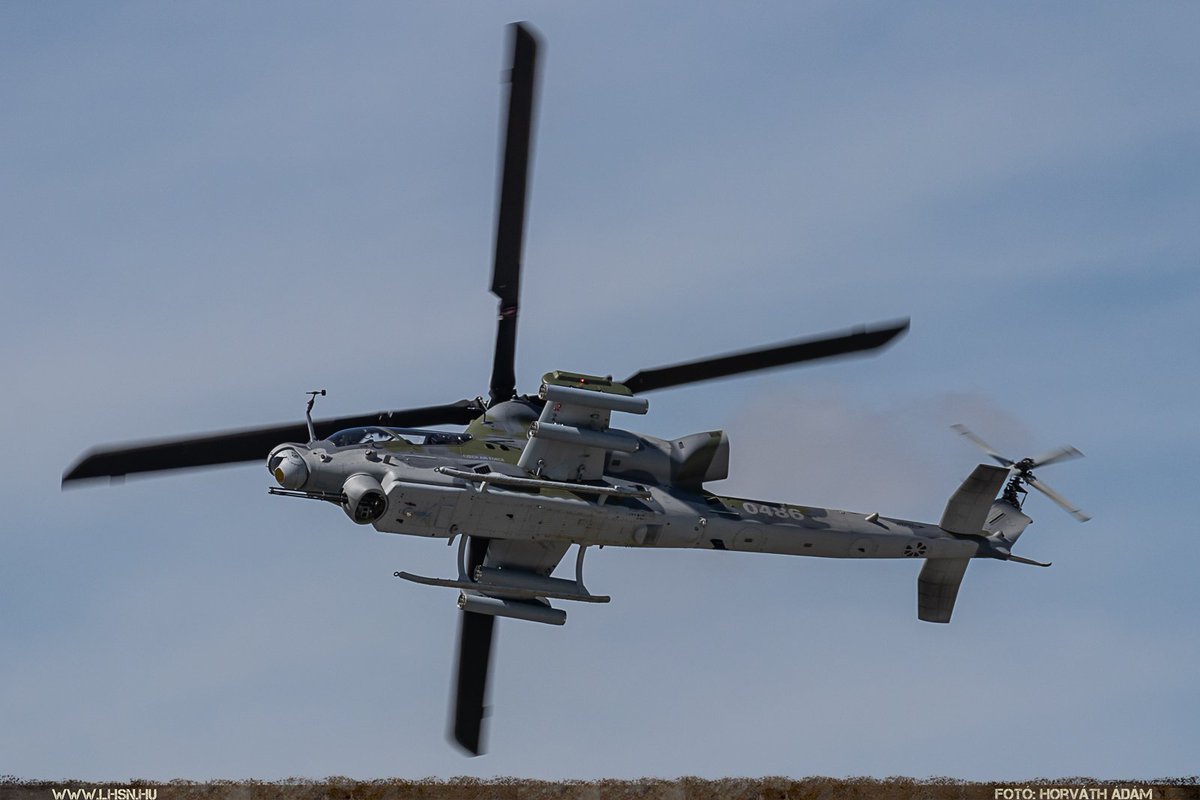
(512, 592)
(501, 590)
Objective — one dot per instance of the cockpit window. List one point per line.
(353, 436)
(439, 437)
(360, 436)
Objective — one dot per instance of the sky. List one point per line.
(214, 208)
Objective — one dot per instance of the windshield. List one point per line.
(358, 436)
(353, 436)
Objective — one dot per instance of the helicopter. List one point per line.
(530, 476)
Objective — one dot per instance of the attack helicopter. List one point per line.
(532, 475)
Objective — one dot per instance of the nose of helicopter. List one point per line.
(288, 467)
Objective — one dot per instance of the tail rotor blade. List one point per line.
(858, 340)
(510, 215)
(1066, 505)
(982, 445)
(1065, 453)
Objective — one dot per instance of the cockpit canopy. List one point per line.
(377, 435)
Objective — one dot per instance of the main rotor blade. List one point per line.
(474, 660)
(981, 444)
(474, 656)
(1067, 505)
(231, 447)
(856, 340)
(510, 214)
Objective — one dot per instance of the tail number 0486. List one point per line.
(773, 511)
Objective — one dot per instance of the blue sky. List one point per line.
(214, 208)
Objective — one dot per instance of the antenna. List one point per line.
(312, 399)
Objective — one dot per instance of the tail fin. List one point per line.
(973, 513)
(937, 588)
(967, 511)
(966, 514)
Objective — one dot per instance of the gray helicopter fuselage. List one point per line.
(475, 487)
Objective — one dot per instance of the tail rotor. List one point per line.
(1022, 472)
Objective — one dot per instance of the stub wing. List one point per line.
(572, 438)
(540, 557)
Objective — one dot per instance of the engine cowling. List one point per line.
(365, 500)
(698, 458)
(687, 462)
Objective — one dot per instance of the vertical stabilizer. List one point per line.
(937, 588)
(967, 511)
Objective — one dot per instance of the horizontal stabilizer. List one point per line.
(1029, 561)
(937, 588)
(969, 505)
